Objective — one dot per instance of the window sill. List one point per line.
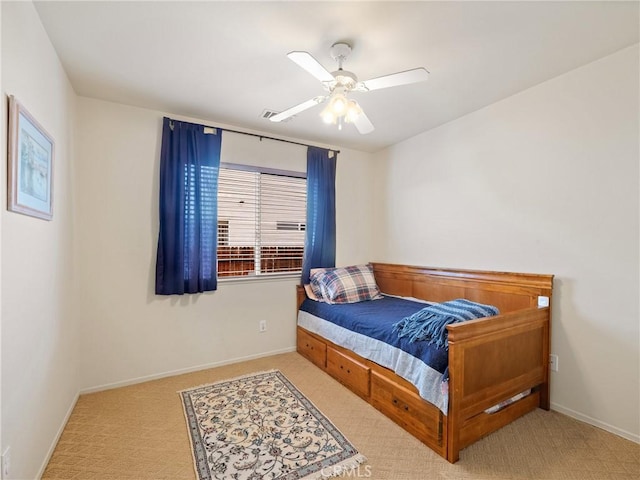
(260, 278)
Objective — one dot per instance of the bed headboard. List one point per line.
(507, 291)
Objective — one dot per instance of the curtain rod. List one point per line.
(276, 139)
(261, 136)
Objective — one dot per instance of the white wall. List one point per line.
(545, 181)
(127, 331)
(39, 333)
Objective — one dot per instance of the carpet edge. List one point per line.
(240, 377)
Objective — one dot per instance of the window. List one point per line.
(261, 221)
(223, 232)
(291, 226)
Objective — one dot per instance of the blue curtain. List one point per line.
(187, 242)
(320, 241)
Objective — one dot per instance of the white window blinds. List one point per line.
(261, 222)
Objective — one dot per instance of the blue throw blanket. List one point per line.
(431, 322)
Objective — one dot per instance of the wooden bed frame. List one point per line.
(490, 359)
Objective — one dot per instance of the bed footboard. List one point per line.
(491, 360)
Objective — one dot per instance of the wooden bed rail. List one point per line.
(534, 280)
(507, 291)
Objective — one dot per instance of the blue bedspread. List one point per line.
(375, 319)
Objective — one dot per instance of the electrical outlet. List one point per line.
(6, 463)
(262, 326)
(553, 362)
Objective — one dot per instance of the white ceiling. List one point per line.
(226, 61)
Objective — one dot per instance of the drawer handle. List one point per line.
(348, 371)
(405, 406)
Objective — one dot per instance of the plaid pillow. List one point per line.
(316, 276)
(346, 285)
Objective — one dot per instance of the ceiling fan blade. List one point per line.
(393, 80)
(311, 65)
(363, 124)
(290, 112)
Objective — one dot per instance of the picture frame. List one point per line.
(31, 152)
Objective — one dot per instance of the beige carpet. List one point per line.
(139, 432)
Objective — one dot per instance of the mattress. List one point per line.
(366, 329)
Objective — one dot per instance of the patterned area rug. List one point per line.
(260, 426)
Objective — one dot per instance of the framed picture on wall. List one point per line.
(30, 165)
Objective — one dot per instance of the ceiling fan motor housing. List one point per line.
(342, 78)
(340, 51)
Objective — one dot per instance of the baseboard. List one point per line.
(57, 436)
(596, 423)
(155, 376)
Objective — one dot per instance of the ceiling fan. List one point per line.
(341, 109)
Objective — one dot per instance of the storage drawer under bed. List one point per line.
(407, 409)
(312, 348)
(348, 371)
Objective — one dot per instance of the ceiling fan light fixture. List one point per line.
(337, 108)
(327, 115)
(340, 110)
(353, 111)
(339, 104)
